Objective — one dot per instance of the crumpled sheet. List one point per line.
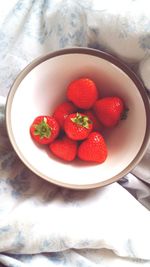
(45, 225)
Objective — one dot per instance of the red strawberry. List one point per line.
(109, 110)
(96, 123)
(93, 148)
(83, 93)
(44, 129)
(77, 126)
(64, 148)
(62, 111)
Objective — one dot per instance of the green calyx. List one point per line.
(81, 120)
(42, 129)
(124, 115)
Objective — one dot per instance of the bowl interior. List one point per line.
(45, 86)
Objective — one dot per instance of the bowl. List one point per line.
(42, 85)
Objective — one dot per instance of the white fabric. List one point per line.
(42, 224)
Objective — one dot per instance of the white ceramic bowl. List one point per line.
(42, 85)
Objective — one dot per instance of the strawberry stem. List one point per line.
(81, 120)
(42, 129)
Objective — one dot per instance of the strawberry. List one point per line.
(44, 129)
(77, 126)
(62, 111)
(64, 148)
(109, 110)
(93, 148)
(83, 93)
(96, 123)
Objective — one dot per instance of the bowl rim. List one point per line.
(100, 54)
